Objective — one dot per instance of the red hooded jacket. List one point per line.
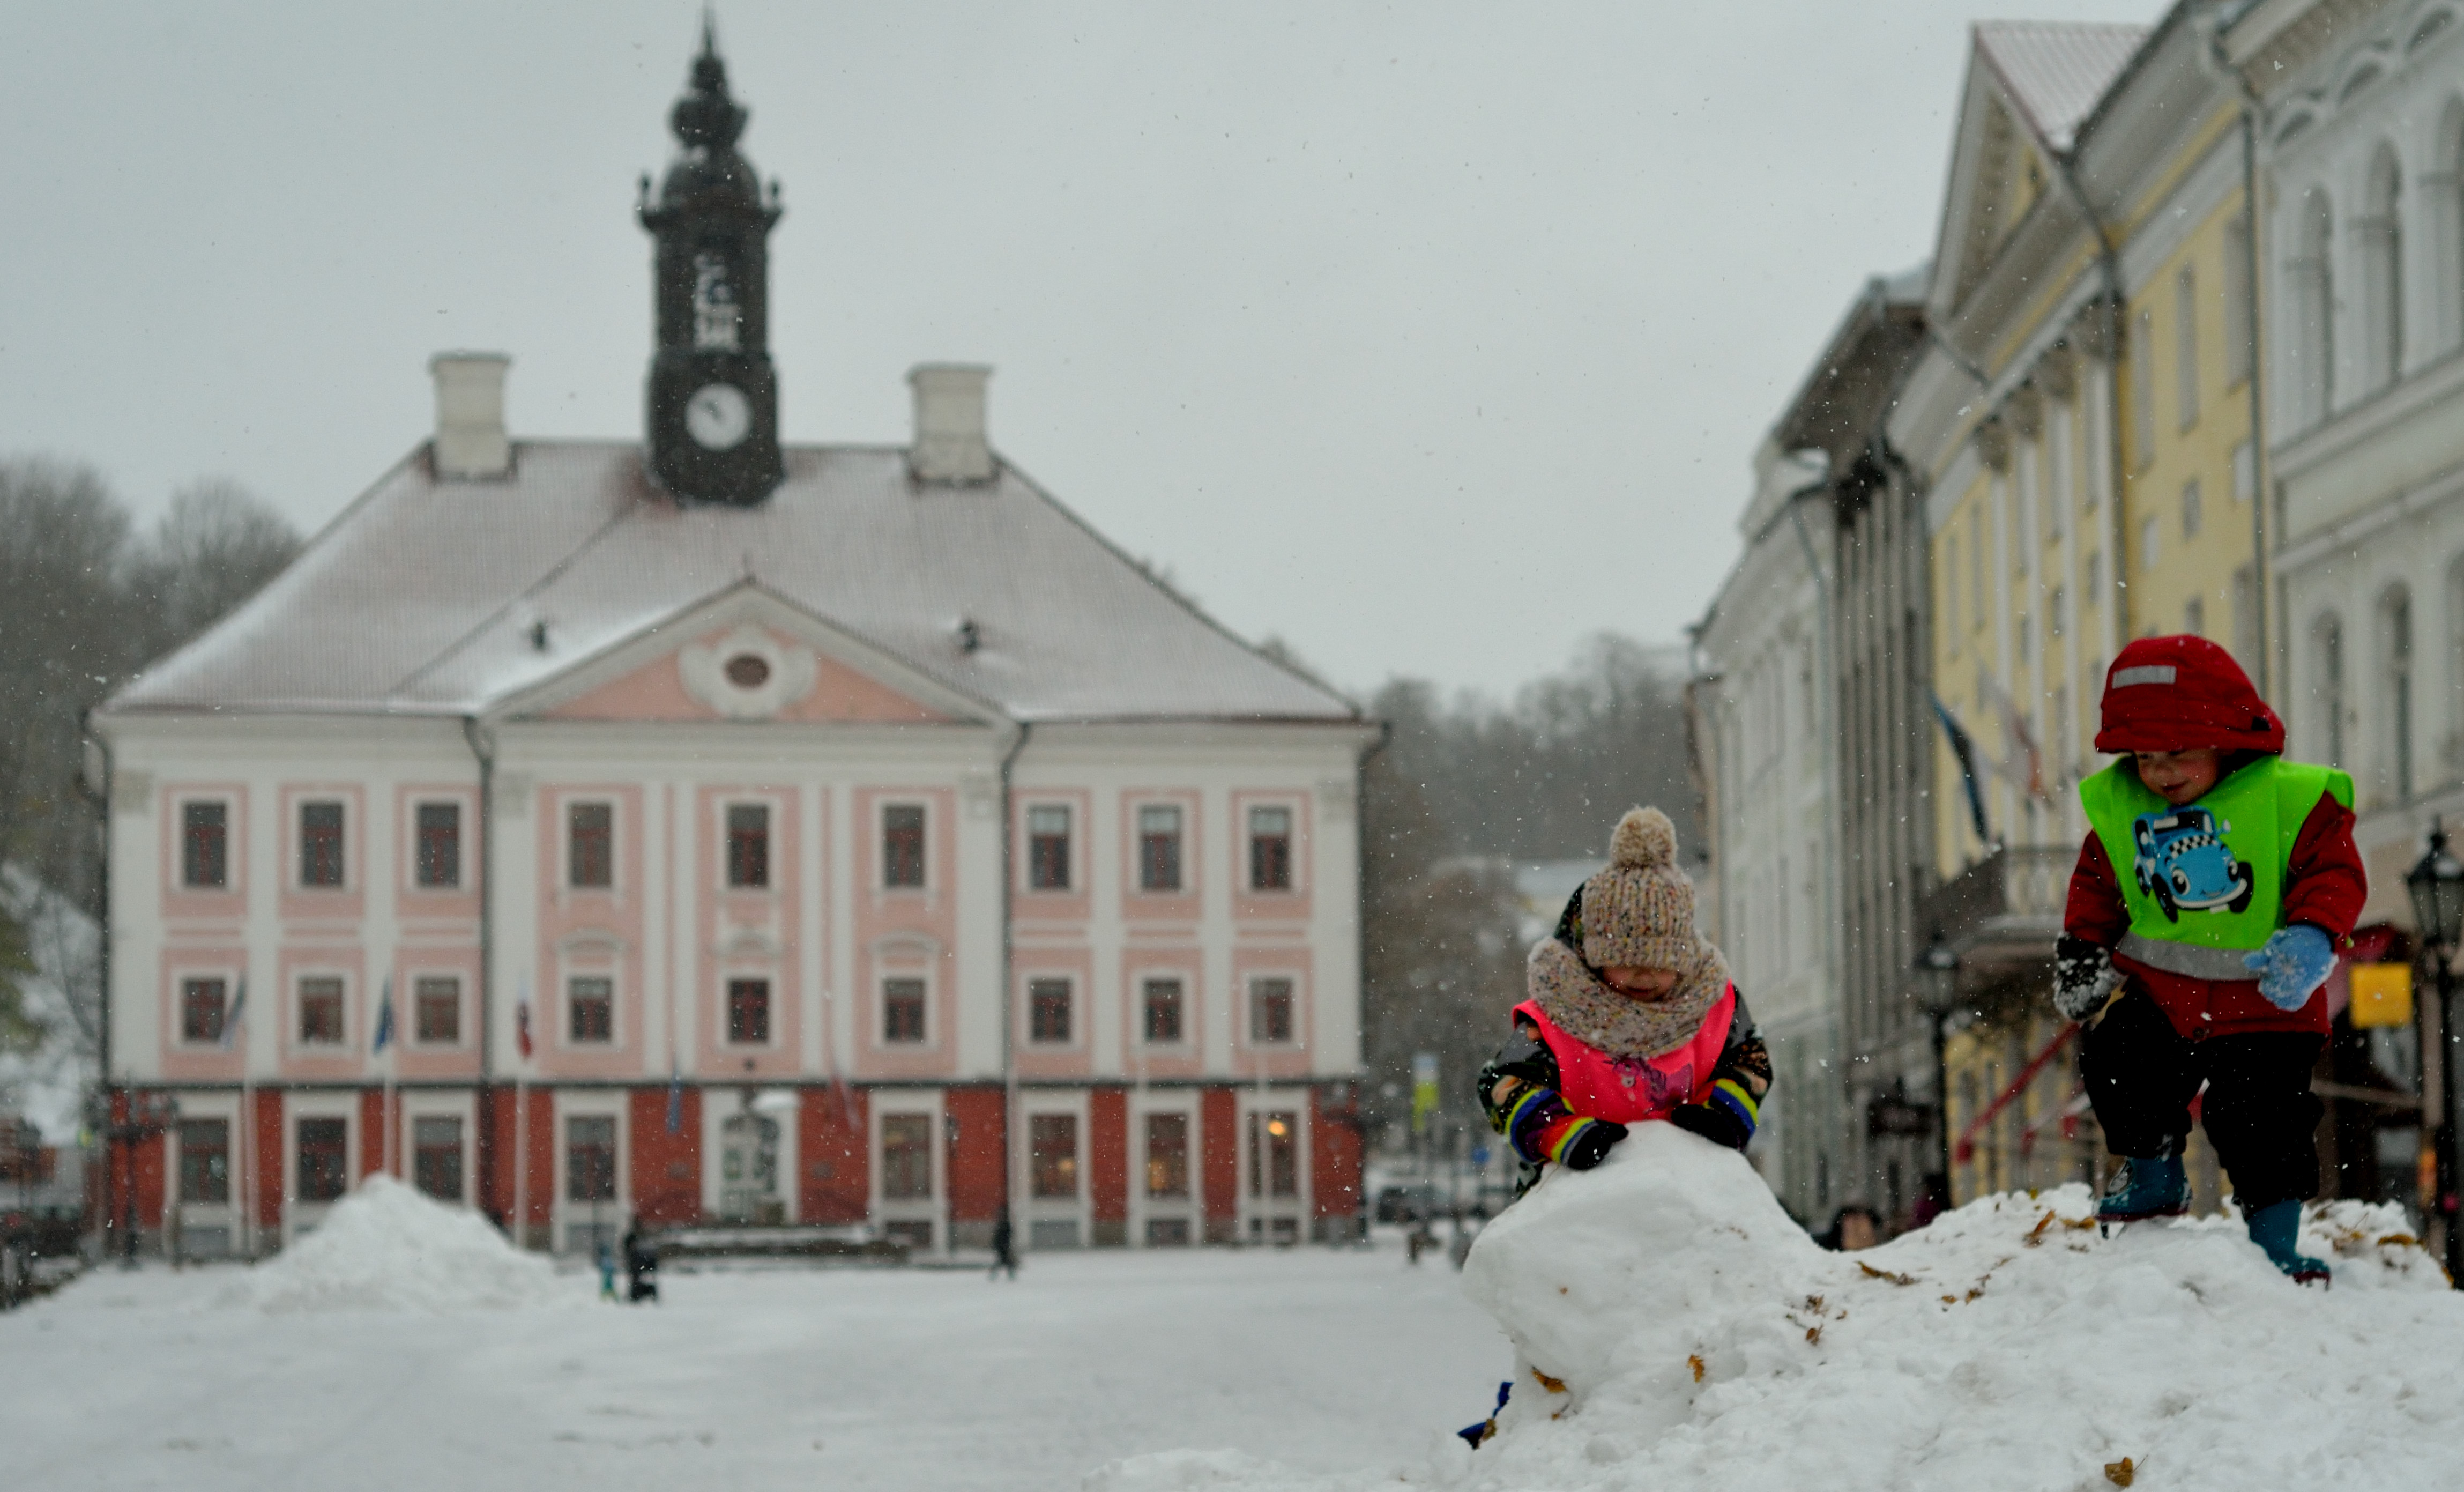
(2174, 694)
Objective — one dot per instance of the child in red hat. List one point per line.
(2217, 882)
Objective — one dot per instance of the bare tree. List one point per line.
(214, 547)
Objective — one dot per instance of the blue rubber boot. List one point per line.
(2274, 1228)
(2144, 1186)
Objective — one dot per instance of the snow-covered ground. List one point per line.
(1670, 1330)
(308, 1373)
(1678, 1333)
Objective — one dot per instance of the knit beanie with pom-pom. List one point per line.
(1639, 912)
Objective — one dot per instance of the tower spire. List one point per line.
(713, 426)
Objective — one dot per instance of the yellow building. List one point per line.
(2083, 425)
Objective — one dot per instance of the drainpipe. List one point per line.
(1008, 977)
(1359, 974)
(2219, 67)
(483, 749)
(2109, 262)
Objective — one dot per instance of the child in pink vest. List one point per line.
(1631, 1017)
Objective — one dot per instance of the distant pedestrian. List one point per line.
(607, 1270)
(641, 1265)
(2205, 963)
(1004, 1247)
(1854, 1225)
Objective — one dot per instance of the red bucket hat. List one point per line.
(2173, 694)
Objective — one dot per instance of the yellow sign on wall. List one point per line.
(2382, 994)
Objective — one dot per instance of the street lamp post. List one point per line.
(1938, 966)
(2436, 886)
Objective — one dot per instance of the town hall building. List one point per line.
(702, 829)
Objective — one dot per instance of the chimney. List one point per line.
(951, 446)
(471, 416)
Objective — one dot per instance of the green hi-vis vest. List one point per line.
(2205, 884)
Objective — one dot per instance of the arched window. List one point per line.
(2395, 692)
(2381, 235)
(2311, 296)
(2327, 687)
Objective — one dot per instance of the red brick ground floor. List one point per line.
(220, 1171)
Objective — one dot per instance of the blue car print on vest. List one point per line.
(2184, 864)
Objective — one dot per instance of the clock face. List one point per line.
(718, 417)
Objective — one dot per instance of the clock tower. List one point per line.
(713, 397)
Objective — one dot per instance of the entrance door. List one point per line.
(748, 1170)
(1271, 1158)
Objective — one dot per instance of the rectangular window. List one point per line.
(436, 1157)
(590, 845)
(2239, 340)
(1052, 1154)
(320, 844)
(2245, 473)
(1047, 847)
(436, 1009)
(2142, 389)
(906, 1157)
(1163, 1012)
(324, 1160)
(591, 1000)
(1047, 1021)
(1168, 1155)
(902, 1011)
(1160, 848)
(2185, 348)
(748, 1011)
(2148, 536)
(205, 1161)
(440, 845)
(204, 1005)
(2190, 508)
(748, 845)
(2095, 578)
(1274, 1154)
(902, 846)
(590, 1158)
(2195, 617)
(2055, 606)
(204, 846)
(320, 1010)
(1270, 1012)
(1271, 849)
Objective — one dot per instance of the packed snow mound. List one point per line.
(387, 1247)
(1676, 1330)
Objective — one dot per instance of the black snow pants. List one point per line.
(2259, 1112)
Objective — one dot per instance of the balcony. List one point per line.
(2003, 912)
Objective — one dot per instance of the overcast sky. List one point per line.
(1429, 338)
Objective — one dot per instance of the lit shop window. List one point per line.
(1052, 1154)
(1168, 1155)
(1274, 1154)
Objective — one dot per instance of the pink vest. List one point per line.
(1631, 1089)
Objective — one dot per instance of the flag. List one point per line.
(385, 1016)
(238, 1007)
(523, 1021)
(1963, 751)
(676, 1099)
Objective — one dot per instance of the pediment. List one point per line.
(747, 657)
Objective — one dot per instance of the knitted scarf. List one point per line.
(1575, 995)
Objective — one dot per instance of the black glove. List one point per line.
(1713, 1123)
(2085, 977)
(1591, 1143)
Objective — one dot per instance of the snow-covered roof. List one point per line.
(2055, 71)
(424, 596)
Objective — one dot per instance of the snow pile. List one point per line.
(1676, 1330)
(387, 1247)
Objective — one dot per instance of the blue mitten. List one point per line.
(2295, 963)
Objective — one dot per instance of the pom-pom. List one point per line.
(1644, 838)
